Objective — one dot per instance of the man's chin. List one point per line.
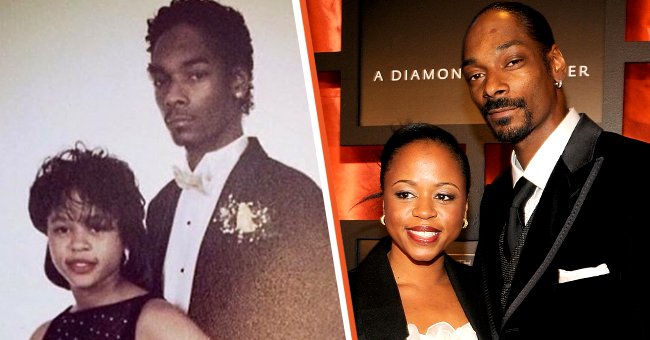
(509, 135)
(181, 140)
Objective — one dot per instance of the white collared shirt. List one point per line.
(192, 218)
(541, 165)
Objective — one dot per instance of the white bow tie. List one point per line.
(188, 181)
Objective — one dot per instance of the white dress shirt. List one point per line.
(192, 218)
(541, 165)
(442, 331)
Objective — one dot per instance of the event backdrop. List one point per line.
(339, 41)
(76, 70)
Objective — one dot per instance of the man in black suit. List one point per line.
(575, 267)
(239, 240)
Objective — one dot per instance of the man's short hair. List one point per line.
(224, 27)
(534, 22)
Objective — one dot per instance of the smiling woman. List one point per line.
(424, 180)
(74, 228)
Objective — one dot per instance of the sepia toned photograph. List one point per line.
(163, 163)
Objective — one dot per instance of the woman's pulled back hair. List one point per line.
(414, 132)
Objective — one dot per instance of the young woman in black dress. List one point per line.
(89, 206)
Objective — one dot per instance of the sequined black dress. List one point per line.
(114, 321)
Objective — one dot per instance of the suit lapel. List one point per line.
(561, 192)
(382, 315)
(467, 289)
(160, 219)
(237, 260)
(168, 215)
(494, 213)
(246, 168)
(560, 203)
(234, 188)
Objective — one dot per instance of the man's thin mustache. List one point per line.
(498, 103)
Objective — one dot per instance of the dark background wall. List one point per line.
(611, 37)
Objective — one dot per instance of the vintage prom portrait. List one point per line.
(140, 82)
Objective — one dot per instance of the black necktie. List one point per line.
(521, 193)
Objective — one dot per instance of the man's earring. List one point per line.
(126, 256)
(558, 84)
(382, 219)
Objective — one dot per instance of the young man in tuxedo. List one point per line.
(240, 240)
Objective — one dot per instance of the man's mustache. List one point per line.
(499, 103)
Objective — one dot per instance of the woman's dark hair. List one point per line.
(224, 27)
(532, 20)
(101, 183)
(413, 132)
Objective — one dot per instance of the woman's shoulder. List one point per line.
(157, 312)
(40, 331)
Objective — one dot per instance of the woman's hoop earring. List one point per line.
(465, 223)
(382, 219)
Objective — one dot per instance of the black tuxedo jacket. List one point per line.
(378, 311)
(593, 211)
(281, 284)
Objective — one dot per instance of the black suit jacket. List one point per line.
(278, 286)
(593, 211)
(378, 310)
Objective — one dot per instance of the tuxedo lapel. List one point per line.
(160, 218)
(168, 216)
(559, 197)
(219, 244)
(547, 220)
(557, 243)
(249, 166)
(559, 205)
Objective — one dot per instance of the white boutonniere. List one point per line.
(246, 220)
